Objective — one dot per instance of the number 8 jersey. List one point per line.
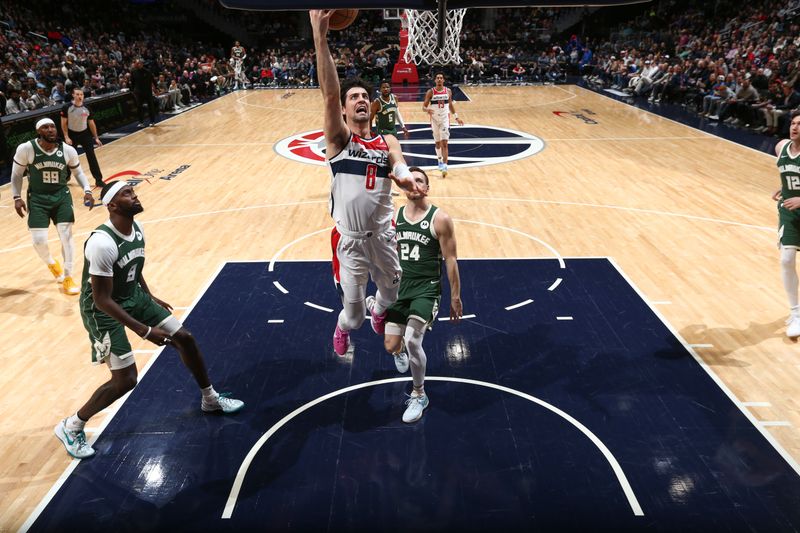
(361, 197)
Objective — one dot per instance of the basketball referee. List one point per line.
(79, 129)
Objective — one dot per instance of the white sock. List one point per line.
(209, 394)
(439, 154)
(67, 245)
(39, 236)
(416, 393)
(789, 275)
(74, 423)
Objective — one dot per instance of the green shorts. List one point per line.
(392, 131)
(42, 208)
(417, 299)
(107, 336)
(788, 228)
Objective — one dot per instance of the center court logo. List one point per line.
(469, 146)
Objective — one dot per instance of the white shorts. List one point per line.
(441, 129)
(356, 259)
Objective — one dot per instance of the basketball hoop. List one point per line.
(434, 36)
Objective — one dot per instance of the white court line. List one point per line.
(724, 388)
(775, 423)
(275, 321)
(285, 246)
(512, 230)
(447, 318)
(583, 139)
(280, 287)
(757, 404)
(564, 318)
(701, 345)
(516, 306)
(315, 306)
(615, 466)
(772, 157)
(113, 410)
(661, 302)
(555, 284)
(770, 230)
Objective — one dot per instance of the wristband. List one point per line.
(401, 171)
(18, 198)
(455, 115)
(149, 329)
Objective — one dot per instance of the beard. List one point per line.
(133, 209)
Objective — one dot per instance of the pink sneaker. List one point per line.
(341, 341)
(378, 321)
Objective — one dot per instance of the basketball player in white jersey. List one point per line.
(439, 104)
(362, 168)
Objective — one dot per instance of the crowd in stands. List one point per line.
(737, 64)
(44, 53)
(725, 60)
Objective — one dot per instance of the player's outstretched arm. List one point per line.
(400, 173)
(447, 240)
(334, 127)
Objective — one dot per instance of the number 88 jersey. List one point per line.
(418, 246)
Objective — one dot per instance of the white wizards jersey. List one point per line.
(361, 197)
(440, 103)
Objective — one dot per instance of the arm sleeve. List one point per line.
(22, 157)
(65, 111)
(75, 166)
(101, 252)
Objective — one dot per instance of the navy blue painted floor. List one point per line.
(479, 459)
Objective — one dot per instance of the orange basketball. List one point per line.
(342, 18)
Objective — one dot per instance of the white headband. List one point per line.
(112, 192)
(44, 122)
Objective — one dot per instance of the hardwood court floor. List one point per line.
(686, 215)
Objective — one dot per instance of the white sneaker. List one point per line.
(401, 361)
(793, 326)
(74, 441)
(222, 403)
(416, 405)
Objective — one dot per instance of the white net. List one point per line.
(423, 37)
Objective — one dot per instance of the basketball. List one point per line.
(342, 18)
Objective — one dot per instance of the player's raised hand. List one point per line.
(320, 18)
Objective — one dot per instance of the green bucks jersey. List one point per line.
(127, 267)
(49, 173)
(790, 173)
(418, 247)
(386, 117)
